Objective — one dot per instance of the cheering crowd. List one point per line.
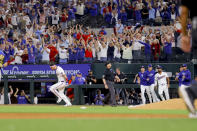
(37, 32)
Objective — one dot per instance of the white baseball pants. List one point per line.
(161, 89)
(143, 89)
(58, 90)
(153, 94)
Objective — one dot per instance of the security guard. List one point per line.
(108, 79)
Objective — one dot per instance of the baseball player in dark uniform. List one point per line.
(109, 77)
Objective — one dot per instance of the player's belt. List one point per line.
(163, 84)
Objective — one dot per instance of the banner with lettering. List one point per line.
(70, 69)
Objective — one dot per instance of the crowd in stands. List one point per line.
(42, 31)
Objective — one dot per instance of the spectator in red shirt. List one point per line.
(88, 54)
(25, 56)
(64, 18)
(155, 49)
(70, 91)
(53, 51)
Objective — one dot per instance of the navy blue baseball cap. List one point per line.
(142, 67)
(150, 65)
(159, 67)
(79, 73)
(184, 65)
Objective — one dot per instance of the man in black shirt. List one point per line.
(145, 14)
(90, 79)
(108, 79)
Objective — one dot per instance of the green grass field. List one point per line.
(94, 124)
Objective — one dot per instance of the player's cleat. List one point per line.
(67, 105)
(59, 100)
(191, 115)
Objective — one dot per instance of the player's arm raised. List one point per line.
(11, 90)
(15, 94)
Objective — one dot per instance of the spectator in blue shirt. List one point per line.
(93, 14)
(147, 50)
(151, 16)
(22, 98)
(30, 44)
(38, 53)
(72, 54)
(102, 31)
(167, 49)
(31, 56)
(79, 79)
(9, 51)
(99, 98)
(123, 16)
(108, 17)
(80, 53)
(71, 13)
(165, 16)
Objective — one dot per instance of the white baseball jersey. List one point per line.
(60, 74)
(2, 98)
(161, 78)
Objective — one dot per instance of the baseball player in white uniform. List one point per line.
(162, 79)
(58, 88)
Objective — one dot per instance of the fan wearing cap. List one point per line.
(163, 81)
(102, 31)
(58, 88)
(143, 85)
(79, 79)
(150, 77)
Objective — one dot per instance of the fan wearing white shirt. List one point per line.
(18, 53)
(14, 21)
(55, 18)
(2, 101)
(127, 52)
(58, 88)
(163, 81)
(63, 56)
(103, 51)
(137, 48)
